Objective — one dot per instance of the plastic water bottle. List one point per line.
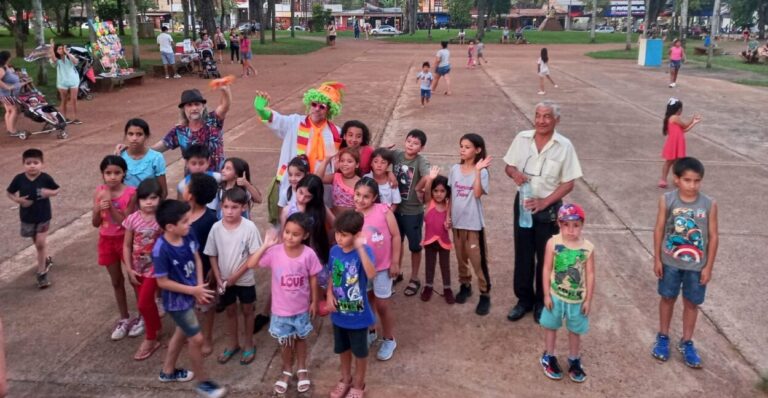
(526, 219)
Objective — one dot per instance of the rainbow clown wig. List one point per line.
(329, 93)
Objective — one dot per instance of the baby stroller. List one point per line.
(32, 104)
(85, 71)
(208, 65)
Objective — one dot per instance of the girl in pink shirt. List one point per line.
(344, 179)
(112, 202)
(294, 294)
(383, 236)
(676, 59)
(674, 128)
(437, 242)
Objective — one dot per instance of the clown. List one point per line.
(313, 134)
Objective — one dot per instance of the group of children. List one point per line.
(198, 251)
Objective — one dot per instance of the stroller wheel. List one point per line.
(62, 135)
(88, 97)
(22, 135)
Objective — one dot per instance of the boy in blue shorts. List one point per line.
(178, 269)
(352, 264)
(425, 79)
(685, 245)
(569, 263)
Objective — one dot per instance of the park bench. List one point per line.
(108, 83)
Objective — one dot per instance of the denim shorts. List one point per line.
(675, 64)
(443, 70)
(381, 285)
(187, 321)
(410, 226)
(285, 328)
(426, 93)
(168, 58)
(674, 278)
(575, 320)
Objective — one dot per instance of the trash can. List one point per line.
(650, 52)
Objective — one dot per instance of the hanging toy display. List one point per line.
(108, 49)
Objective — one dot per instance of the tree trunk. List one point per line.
(481, 6)
(18, 33)
(629, 26)
(223, 13)
(42, 71)
(120, 15)
(762, 14)
(91, 15)
(683, 22)
(193, 19)
(713, 32)
(262, 22)
(414, 13)
(646, 19)
(272, 16)
(293, 17)
(208, 16)
(593, 22)
(185, 10)
(66, 23)
(132, 22)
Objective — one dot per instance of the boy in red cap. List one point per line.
(569, 265)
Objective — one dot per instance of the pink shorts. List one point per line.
(110, 249)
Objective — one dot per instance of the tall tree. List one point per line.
(272, 18)
(208, 15)
(460, 12)
(120, 17)
(715, 29)
(88, 4)
(185, 10)
(683, 22)
(482, 7)
(628, 45)
(593, 22)
(42, 71)
(12, 14)
(132, 22)
(293, 17)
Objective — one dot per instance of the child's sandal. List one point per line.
(303, 385)
(341, 389)
(281, 387)
(356, 393)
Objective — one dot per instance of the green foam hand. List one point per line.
(260, 104)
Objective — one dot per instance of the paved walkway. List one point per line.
(58, 342)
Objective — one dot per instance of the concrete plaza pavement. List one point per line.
(57, 340)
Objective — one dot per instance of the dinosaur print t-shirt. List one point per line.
(568, 279)
(349, 289)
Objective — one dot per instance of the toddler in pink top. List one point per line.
(383, 237)
(676, 59)
(294, 294)
(437, 242)
(344, 179)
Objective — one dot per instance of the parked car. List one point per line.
(605, 29)
(246, 27)
(385, 30)
(297, 28)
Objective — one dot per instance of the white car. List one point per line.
(605, 29)
(297, 28)
(385, 30)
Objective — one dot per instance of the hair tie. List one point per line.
(673, 101)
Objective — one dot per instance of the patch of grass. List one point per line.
(614, 54)
(759, 83)
(533, 37)
(286, 46)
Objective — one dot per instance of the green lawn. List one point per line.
(533, 37)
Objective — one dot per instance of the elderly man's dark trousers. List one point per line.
(530, 244)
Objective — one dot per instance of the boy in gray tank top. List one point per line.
(685, 245)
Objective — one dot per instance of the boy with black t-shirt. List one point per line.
(32, 190)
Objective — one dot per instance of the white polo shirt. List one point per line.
(556, 164)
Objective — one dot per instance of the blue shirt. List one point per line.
(350, 286)
(176, 263)
(150, 166)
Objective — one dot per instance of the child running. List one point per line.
(383, 237)
(141, 232)
(237, 173)
(425, 79)
(355, 135)
(32, 191)
(200, 191)
(676, 59)
(543, 68)
(469, 182)
(179, 274)
(143, 161)
(437, 242)
(246, 55)
(480, 49)
(381, 164)
(352, 263)
(294, 295)
(112, 202)
(674, 127)
(569, 272)
(343, 180)
(685, 244)
(471, 55)
(231, 240)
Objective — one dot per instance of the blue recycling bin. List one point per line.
(650, 52)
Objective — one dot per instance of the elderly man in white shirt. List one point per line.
(548, 161)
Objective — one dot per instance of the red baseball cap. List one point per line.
(570, 212)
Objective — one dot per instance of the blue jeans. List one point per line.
(675, 278)
(187, 321)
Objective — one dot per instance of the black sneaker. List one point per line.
(398, 279)
(42, 281)
(465, 291)
(484, 305)
(210, 389)
(48, 264)
(575, 371)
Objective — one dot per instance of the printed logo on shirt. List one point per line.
(292, 282)
(685, 242)
(346, 287)
(404, 176)
(462, 191)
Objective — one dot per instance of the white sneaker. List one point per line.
(177, 76)
(672, 85)
(386, 350)
(541, 93)
(556, 86)
(121, 329)
(160, 309)
(137, 327)
(167, 77)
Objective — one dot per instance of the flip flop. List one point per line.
(142, 355)
(227, 355)
(248, 356)
(412, 288)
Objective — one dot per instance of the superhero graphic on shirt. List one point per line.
(404, 175)
(568, 278)
(685, 241)
(346, 287)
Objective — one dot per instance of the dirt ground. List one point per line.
(58, 340)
